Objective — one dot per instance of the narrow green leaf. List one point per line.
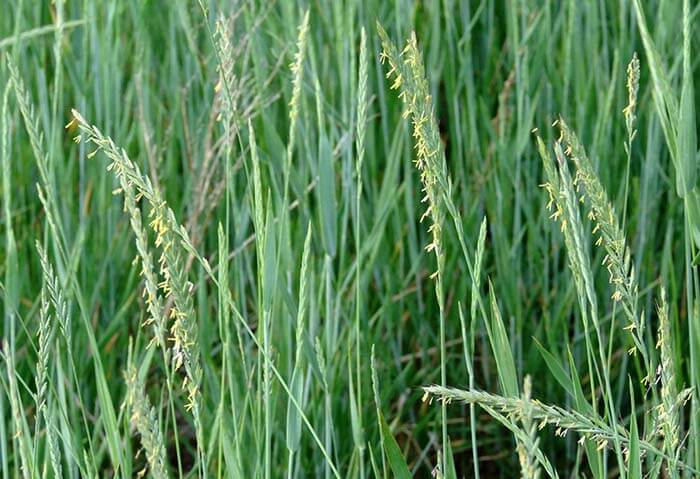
(450, 471)
(268, 261)
(397, 462)
(635, 460)
(326, 193)
(296, 387)
(355, 413)
(502, 352)
(556, 368)
(582, 405)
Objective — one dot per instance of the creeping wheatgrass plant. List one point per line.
(406, 72)
(169, 236)
(246, 291)
(617, 260)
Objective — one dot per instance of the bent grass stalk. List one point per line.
(169, 234)
(153, 297)
(588, 427)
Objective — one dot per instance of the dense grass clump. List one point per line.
(349, 239)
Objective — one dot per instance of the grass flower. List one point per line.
(144, 419)
(173, 242)
(617, 260)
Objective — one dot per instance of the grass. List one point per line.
(349, 239)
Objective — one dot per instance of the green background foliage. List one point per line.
(310, 321)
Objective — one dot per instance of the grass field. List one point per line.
(349, 239)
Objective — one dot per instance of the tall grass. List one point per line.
(349, 239)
